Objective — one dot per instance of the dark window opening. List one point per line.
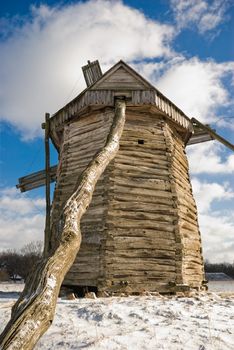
(80, 291)
(141, 142)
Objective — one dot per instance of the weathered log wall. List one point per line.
(189, 264)
(139, 251)
(140, 232)
(82, 140)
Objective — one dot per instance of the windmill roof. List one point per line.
(129, 72)
(122, 80)
(132, 81)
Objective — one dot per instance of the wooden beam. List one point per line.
(212, 133)
(199, 137)
(92, 72)
(47, 183)
(37, 179)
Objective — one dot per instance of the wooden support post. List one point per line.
(47, 235)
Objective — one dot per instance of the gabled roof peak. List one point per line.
(122, 76)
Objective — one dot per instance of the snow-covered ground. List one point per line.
(221, 286)
(204, 322)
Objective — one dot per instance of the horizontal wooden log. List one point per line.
(141, 206)
(157, 264)
(143, 224)
(137, 288)
(141, 170)
(155, 151)
(126, 197)
(154, 233)
(140, 215)
(117, 189)
(35, 180)
(140, 163)
(143, 174)
(142, 153)
(74, 281)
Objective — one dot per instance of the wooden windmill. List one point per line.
(141, 230)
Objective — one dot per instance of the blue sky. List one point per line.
(185, 48)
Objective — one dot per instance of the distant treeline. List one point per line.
(18, 264)
(222, 267)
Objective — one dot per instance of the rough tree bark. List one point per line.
(34, 311)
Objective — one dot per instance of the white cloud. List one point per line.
(202, 89)
(42, 58)
(206, 193)
(196, 87)
(12, 202)
(225, 122)
(21, 219)
(210, 158)
(203, 14)
(217, 231)
(216, 226)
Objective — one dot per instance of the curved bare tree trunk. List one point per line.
(34, 311)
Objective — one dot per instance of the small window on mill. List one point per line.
(141, 142)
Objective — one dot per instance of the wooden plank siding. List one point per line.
(122, 80)
(140, 232)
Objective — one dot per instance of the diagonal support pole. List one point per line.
(33, 312)
(47, 232)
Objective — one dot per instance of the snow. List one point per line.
(51, 282)
(203, 322)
